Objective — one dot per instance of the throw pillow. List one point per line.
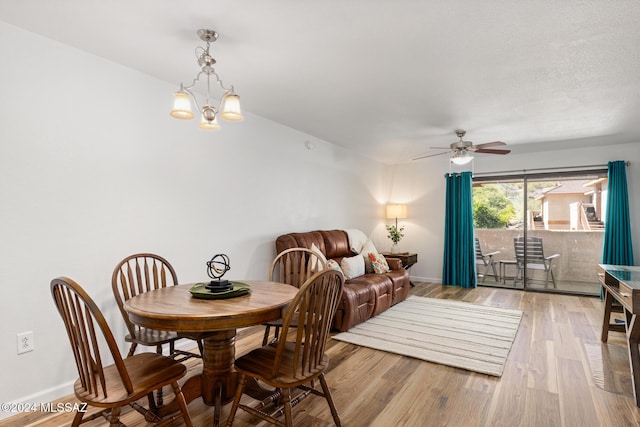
(357, 239)
(315, 265)
(352, 266)
(333, 264)
(367, 249)
(379, 263)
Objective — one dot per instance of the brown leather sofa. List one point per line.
(363, 297)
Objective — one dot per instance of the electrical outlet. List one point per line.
(25, 342)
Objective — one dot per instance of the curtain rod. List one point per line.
(557, 169)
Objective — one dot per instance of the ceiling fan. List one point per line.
(461, 150)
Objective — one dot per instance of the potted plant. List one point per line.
(395, 234)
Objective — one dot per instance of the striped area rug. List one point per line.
(468, 336)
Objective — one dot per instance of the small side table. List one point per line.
(408, 259)
(503, 270)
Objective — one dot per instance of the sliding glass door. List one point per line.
(547, 230)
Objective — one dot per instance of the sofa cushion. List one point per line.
(382, 288)
(357, 305)
(368, 248)
(378, 263)
(301, 240)
(334, 265)
(320, 257)
(336, 244)
(357, 239)
(352, 266)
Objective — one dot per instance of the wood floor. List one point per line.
(557, 374)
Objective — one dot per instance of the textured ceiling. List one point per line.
(386, 78)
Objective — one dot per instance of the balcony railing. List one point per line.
(580, 251)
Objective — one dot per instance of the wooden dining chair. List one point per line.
(294, 364)
(294, 267)
(141, 273)
(137, 274)
(121, 383)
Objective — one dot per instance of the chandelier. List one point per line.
(229, 107)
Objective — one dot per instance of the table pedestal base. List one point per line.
(219, 380)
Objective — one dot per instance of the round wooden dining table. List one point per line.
(215, 322)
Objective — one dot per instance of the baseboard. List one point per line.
(416, 279)
(41, 397)
(66, 389)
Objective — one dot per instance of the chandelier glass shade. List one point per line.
(229, 107)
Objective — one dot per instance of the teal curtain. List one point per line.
(618, 249)
(459, 266)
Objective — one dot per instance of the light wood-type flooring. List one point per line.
(557, 374)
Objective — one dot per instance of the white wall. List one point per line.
(421, 184)
(93, 169)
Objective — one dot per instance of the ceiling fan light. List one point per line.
(181, 106)
(461, 158)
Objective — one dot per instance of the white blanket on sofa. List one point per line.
(357, 239)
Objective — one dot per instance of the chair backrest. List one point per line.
(87, 330)
(295, 266)
(479, 255)
(312, 309)
(532, 248)
(137, 274)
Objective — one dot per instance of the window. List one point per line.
(548, 229)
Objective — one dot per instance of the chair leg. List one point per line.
(132, 349)
(183, 404)
(77, 420)
(286, 402)
(159, 393)
(327, 395)
(242, 380)
(152, 403)
(265, 339)
(200, 348)
(114, 417)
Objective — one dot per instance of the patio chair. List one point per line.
(530, 256)
(486, 261)
(110, 387)
(294, 364)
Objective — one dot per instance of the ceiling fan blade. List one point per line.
(492, 151)
(440, 148)
(490, 144)
(431, 155)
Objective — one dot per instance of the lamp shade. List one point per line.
(396, 211)
(209, 125)
(231, 108)
(181, 106)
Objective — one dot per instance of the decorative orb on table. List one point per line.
(216, 268)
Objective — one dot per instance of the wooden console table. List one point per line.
(408, 259)
(622, 283)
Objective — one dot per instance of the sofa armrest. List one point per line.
(394, 263)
